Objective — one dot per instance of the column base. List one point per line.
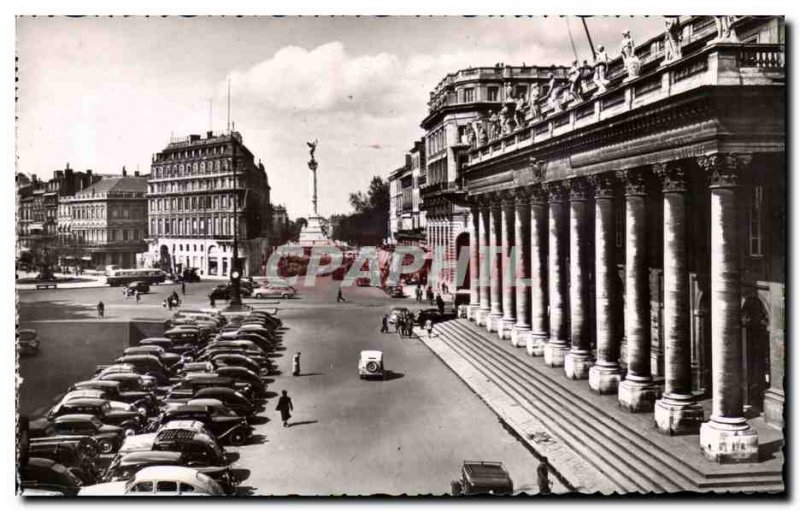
(729, 440)
(493, 322)
(481, 317)
(555, 352)
(520, 336)
(462, 311)
(535, 344)
(472, 312)
(577, 365)
(604, 379)
(773, 407)
(637, 396)
(505, 327)
(678, 415)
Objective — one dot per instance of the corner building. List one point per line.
(649, 215)
(200, 190)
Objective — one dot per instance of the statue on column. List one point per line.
(600, 68)
(725, 29)
(533, 98)
(519, 111)
(628, 50)
(672, 40)
(312, 148)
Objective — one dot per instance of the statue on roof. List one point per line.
(312, 148)
(627, 49)
(725, 31)
(600, 68)
(672, 40)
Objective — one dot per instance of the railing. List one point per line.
(761, 56)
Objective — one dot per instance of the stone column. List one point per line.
(557, 346)
(507, 242)
(474, 262)
(482, 315)
(495, 266)
(522, 238)
(726, 437)
(539, 246)
(604, 375)
(637, 393)
(677, 411)
(579, 359)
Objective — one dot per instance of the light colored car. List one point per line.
(273, 291)
(161, 481)
(92, 394)
(370, 364)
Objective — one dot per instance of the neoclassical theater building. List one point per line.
(646, 201)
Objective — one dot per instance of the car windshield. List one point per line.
(96, 422)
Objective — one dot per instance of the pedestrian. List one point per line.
(169, 302)
(440, 303)
(430, 294)
(400, 325)
(101, 309)
(296, 364)
(429, 327)
(136, 295)
(211, 301)
(286, 407)
(339, 296)
(384, 324)
(164, 304)
(183, 288)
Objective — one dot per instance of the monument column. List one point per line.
(726, 437)
(676, 412)
(496, 265)
(474, 261)
(538, 240)
(579, 359)
(557, 346)
(522, 239)
(604, 376)
(637, 393)
(485, 263)
(508, 241)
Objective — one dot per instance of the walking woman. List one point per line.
(285, 407)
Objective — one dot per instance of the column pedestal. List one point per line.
(520, 336)
(535, 344)
(729, 442)
(637, 396)
(604, 380)
(555, 352)
(472, 312)
(678, 415)
(577, 365)
(773, 407)
(481, 317)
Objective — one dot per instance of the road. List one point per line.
(406, 435)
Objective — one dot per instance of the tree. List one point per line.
(368, 223)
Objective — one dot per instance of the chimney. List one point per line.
(136, 173)
(209, 134)
(124, 172)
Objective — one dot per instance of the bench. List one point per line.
(47, 285)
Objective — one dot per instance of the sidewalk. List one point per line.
(28, 281)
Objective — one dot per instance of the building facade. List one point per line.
(106, 223)
(200, 191)
(464, 106)
(646, 210)
(407, 224)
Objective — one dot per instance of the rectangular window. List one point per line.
(492, 93)
(756, 234)
(469, 95)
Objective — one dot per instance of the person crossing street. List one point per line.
(101, 309)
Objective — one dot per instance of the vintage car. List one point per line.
(197, 367)
(483, 477)
(142, 287)
(238, 360)
(125, 392)
(107, 436)
(147, 364)
(132, 384)
(256, 328)
(227, 428)
(170, 360)
(125, 467)
(159, 481)
(71, 455)
(130, 421)
(242, 375)
(214, 350)
(274, 292)
(200, 446)
(232, 399)
(28, 342)
(184, 336)
(169, 345)
(73, 395)
(44, 475)
(422, 316)
(239, 344)
(370, 364)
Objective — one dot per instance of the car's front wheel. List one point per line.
(106, 447)
(236, 438)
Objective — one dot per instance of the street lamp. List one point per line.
(236, 293)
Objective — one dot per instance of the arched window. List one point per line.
(202, 166)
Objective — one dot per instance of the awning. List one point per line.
(86, 258)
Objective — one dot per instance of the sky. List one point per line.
(103, 92)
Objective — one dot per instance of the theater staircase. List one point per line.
(593, 444)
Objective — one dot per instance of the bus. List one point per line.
(124, 276)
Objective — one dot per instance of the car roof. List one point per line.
(99, 383)
(187, 408)
(372, 353)
(169, 473)
(142, 442)
(86, 401)
(204, 402)
(183, 425)
(146, 456)
(486, 471)
(217, 390)
(74, 417)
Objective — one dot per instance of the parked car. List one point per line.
(370, 364)
(168, 359)
(143, 401)
(228, 429)
(482, 477)
(107, 436)
(397, 292)
(147, 364)
(125, 467)
(130, 421)
(190, 275)
(142, 287)
(168, 345)
(159, 481)
(28, 342)
(422, 316)
(44, 475)
(232, 399)
(72, 456)
(274, 292)
(199, 446)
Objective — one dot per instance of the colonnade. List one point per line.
(540, 298)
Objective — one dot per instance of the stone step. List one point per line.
(649, 461)
(613, 455)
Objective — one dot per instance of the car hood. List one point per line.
(103, 489)
(108, 428)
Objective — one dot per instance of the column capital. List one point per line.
(579, 189)
(723, 169)
(538, 194)
(507, 198)
(672, 176)
(556, 191)
(538, 168)
(522, 196)
(604, 185)
(635, 181)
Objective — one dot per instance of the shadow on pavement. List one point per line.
(257, 439)
(391, 375)
(232, 456)
(301, 423)
(245, 491)
(241, 474)
(311, 374)
(259, 420)
(53, 309)
(768, 450)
